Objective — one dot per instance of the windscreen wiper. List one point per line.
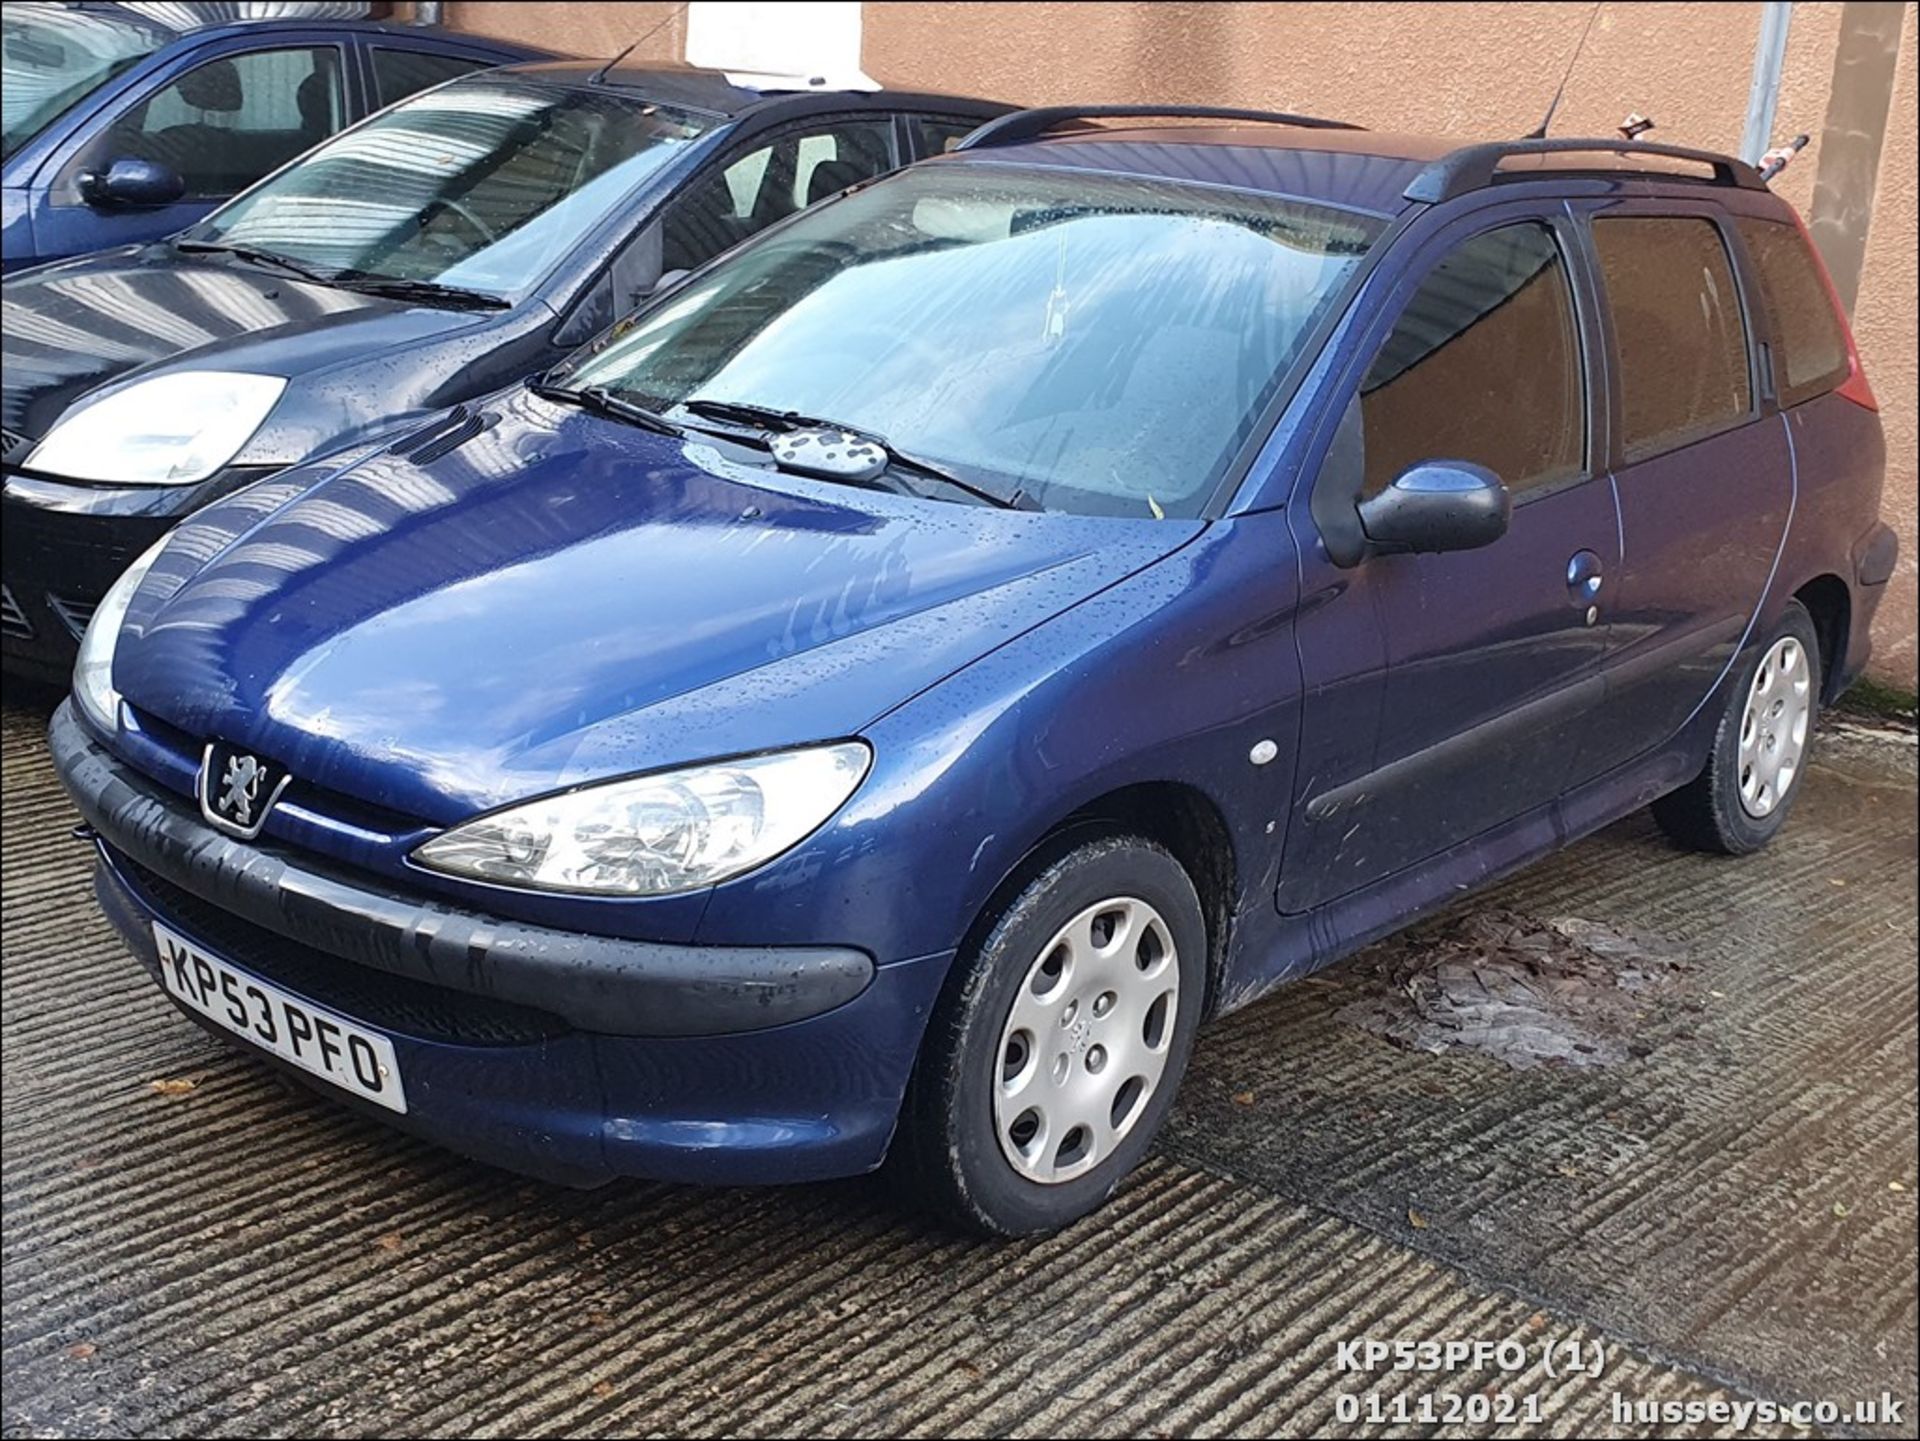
(766, 417)
(428, 292)
(256, 257)
(601, 401)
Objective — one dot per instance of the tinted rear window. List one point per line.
(1809, 347)
(1678, 326)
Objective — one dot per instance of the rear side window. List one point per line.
(399, 73)
(936, 135)
(1483, 365)
(1809, 347)
(1677, 323)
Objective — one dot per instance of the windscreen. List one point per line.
(479, 184)
(51, 59)
(1103, 344)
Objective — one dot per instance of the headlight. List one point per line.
(171, 430)
(93, 671)
(658, 834)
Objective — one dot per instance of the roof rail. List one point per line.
(1029, 124)
(1472, 167)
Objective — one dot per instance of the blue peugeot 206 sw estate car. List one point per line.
(877, 701)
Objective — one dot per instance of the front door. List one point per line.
(220, 125)
(1448, 693)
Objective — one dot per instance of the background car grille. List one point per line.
(377, 998)
(73, 611)
(13, 620)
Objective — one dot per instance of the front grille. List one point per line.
(319, 800)
(74, 612)
(363, 993)
(13, 620)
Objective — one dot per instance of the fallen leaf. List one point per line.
(1838, 1209)
(177, 1087)
(1416, 1220)
(603, 1388)
(1537, 1321)
(599, 1318)
(1243, 1098)
(389, 1242)
(82, 1350)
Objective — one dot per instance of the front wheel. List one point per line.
(1054, 1053)
(1740, 800)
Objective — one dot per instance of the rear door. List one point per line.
(1446, 694)
(1701, 467)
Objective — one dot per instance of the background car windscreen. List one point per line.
(481, 184)
(51, 58)
(1104, 343)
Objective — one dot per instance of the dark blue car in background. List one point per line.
(880, 700)
(459, 240)
(121, 126)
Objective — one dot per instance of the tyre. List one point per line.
(1057, 1044)
(1760, 747)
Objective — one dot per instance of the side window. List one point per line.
(1483, 365)
(226, 123)
(1809, 346)
(399, 73)
(1678, 328)
(934, 135)
(798, 169)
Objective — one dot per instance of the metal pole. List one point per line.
(1769, 54)
(426, 12)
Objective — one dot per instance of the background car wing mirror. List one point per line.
(1438, 505)
(131, 183)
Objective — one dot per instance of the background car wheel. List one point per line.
(1057, 1044)
(1760, 748)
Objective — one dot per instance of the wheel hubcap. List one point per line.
(1086, 1041)
(1773, 729)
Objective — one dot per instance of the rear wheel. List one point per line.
(1056, 1048)
(1738, 803)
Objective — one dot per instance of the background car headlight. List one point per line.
(171, 430)
(93, 670)
(658, 834)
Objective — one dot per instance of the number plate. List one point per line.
(331, 1047)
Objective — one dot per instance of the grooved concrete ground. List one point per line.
(242, 1259)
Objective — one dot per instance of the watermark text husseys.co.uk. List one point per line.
(1881, 1411)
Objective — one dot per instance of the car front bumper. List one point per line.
(568, 1057)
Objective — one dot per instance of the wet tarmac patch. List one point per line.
(1526, 991)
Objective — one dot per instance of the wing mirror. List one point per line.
(132, 183)
(1438, 505)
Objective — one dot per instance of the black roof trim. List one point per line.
(1473, 167)
(1030, 124)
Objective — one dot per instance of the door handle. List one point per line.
(1583, 583)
